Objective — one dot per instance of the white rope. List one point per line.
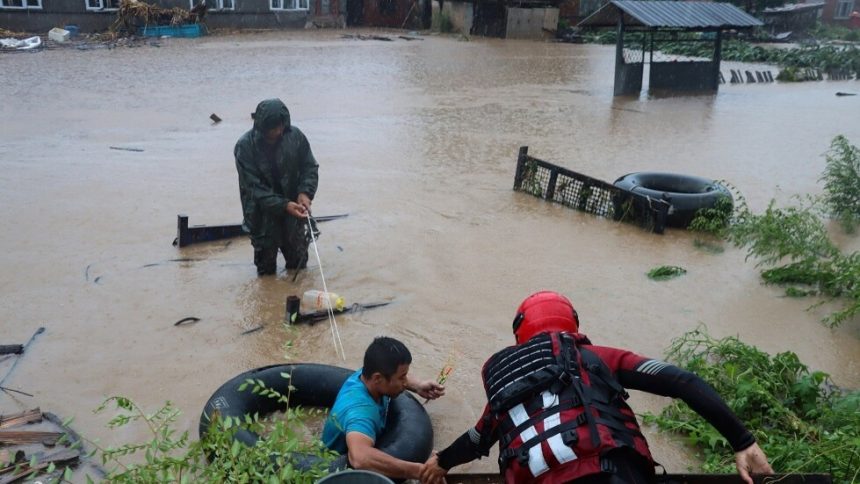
(335, 334)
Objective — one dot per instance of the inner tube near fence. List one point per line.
(686, 194)
(408, 433)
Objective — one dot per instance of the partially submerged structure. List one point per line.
(792, 17)
(510, 19)
(644, 26)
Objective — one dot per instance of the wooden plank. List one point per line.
(25, 417)
(60, 458)
(7, 456)
(29, 437)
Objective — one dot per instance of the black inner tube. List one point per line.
(685, 194)
(408, 432)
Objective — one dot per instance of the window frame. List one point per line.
(102, 7)
(219, 5)
(25, 5)
(839, 5)
(306, 8)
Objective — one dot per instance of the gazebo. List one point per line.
(646, 26)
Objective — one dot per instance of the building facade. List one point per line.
(98, 15)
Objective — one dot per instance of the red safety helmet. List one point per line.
(544, 312)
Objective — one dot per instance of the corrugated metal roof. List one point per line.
(668, 14)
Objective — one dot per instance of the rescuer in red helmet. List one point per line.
(556, 406)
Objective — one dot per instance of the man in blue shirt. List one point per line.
(357, 418)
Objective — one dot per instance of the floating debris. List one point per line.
(253, 330)
(366, 37)
(317, 316)
(188, 320)
(125, 149)
(215, 119)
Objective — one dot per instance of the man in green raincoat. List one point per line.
(278, 178)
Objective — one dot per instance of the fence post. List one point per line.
(521, 167)
(182, 230)
(550, 187)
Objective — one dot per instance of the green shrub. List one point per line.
(802, 421)
(791, 244)
(842, 183)
(171, 457)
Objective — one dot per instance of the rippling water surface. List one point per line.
(417, 141)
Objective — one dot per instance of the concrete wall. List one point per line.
(683, 76)
(531, 23)
(247, 14)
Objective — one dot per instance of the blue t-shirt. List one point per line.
(354, 410)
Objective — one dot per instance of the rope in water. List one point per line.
(335, 334)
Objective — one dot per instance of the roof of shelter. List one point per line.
(671, 14)
(793, 8)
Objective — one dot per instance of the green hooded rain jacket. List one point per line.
(264, 198)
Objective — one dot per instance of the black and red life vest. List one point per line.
(558, 409)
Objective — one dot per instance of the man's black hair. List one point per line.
(385, 355)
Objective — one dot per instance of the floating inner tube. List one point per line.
(408, 433)
(686, 194)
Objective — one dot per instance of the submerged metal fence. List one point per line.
(557, 184)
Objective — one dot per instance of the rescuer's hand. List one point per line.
(431, 472)
(305, 201)
(752, 461)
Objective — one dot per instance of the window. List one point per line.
(844, 8)
(20, 3)
(289, 4)
(215, 4)
(103, 4)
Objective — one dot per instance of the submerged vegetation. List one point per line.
(793, 61)
(802, 421)
(792, 244)
(666, 272)
(826, 58)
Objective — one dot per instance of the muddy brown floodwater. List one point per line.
(417, 141)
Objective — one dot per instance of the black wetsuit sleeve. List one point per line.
(464, 449)
(661, 378)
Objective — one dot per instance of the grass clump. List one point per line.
(802, 421)
(663, 273)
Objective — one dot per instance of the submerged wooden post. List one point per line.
(521, 167)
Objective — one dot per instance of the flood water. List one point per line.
(417, 141)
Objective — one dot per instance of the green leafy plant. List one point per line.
(842, 183)
(666, 272)
(791, 244)
(798, 64)
(169, 456)
(802, 421)
(714, 220)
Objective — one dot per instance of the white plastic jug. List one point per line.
(313, 301)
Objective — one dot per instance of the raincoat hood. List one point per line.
(269, 114)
